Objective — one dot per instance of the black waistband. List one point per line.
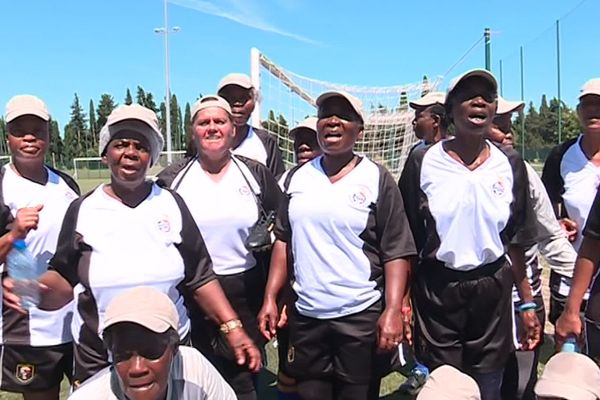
(438, 268)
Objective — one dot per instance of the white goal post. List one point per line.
(286, 98)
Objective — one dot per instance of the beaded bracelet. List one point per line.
(527, 307)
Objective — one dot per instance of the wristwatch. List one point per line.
(231, 325)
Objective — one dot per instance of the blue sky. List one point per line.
(55, 48)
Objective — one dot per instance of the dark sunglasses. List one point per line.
(237, 99)
(347, 116)
(151, 348)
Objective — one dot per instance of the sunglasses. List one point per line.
(151, 348)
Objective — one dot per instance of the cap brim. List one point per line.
(506, 107)
(328, 95)
(589, 92)
(553, 389)
(39, 114)
(151, 322)
(482, 73)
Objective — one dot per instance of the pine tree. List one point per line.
(140, 97)
(187, 126)
(176, 129)
(93, 139)
(128, 99)
(75, 132)
(105, 107)
(3, 138)
(54, 155)
(150, 103)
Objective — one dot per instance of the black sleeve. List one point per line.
(552, 178)
(197, 262)
(166, 177)
(518, 207)
(393, 231)
(410, 188)
(274, 157)
(6, 218)
(69, 246)
(592, 225)
(283, 230)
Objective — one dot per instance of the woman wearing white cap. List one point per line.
(127, 233)
(548, 240)
(36, 346)
(465, 200)
(249, 141)
(343, 222)
(572, 176)
(226, 195)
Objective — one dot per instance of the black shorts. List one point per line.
(340, 348)
(245, 293)
(27, 368)
(557, 300)
(463, 319)
(592, 341)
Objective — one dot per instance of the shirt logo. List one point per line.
(498, 187)
(244, 190)
(360, 196)
(25, 372)
(164, 225)
(70, 195)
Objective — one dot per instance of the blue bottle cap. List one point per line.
(19, 244)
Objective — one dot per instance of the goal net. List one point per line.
(286, 98)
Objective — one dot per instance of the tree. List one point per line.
(3, 137)
(75, 132)
(178, 140)
(140, 97)
(54, 155)
(105, 107)
(187, 124)
(93, 126)
(150, 103)
(128, 100)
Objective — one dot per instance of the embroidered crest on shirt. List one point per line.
(360, 196)
(498, 188)
(25, 372)
(244, 190)
(164, 225)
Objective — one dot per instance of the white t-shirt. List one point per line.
(192, 377)
(39, 327)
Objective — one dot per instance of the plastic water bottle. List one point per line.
(22, 268)
(570, 345)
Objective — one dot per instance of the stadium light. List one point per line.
(165, 30)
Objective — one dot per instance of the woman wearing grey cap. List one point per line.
(37, 349)
(465, 200)
(249, 141)
(226, 195)
(343, 223)
(127, 233)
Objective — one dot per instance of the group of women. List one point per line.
(350, 240)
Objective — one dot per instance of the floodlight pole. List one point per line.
(558, 81)
(522, 99)
(165, 30)
(487, 34)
